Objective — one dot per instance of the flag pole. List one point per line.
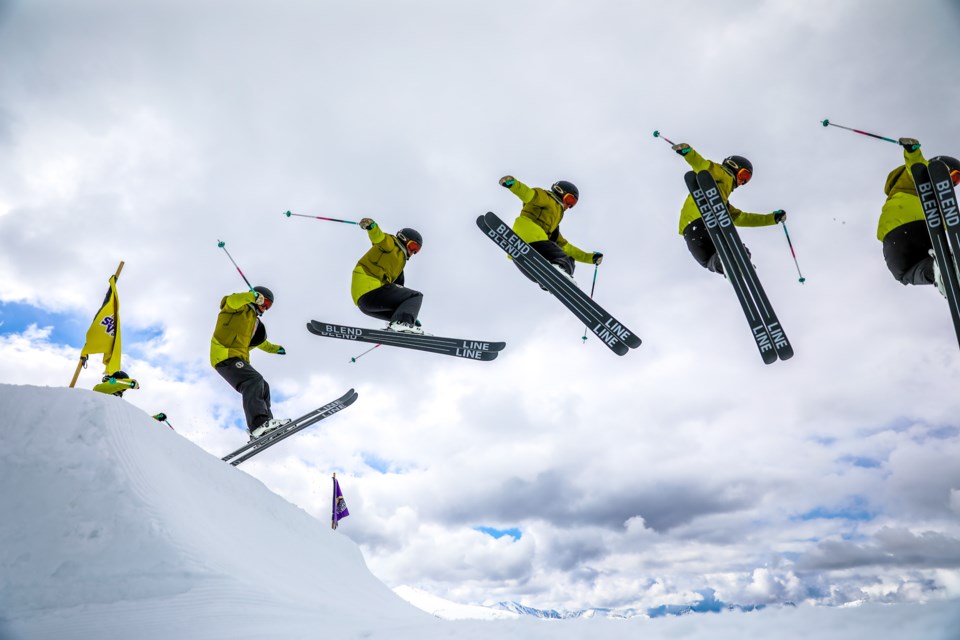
(333, 509)
(83, 360)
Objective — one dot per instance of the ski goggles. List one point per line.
(743, 176)
(267, 303)
(413, 247)
(570, 200)
(955, 176)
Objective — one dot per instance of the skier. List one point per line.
(902, 227)
(733, 172)
(539, 223)
(238, 329)
(377, 284)
(116, 383)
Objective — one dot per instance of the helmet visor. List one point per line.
(955, 177)
(267, 303)
(743, 176)
(570, 200)
(413, 247)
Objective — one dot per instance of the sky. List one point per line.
(147, 132)
(187, 546)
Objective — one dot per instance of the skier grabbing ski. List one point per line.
(116, 383)
(238, 329)
(902, 227)
(733, 172)
(377, 284)
(539, 223)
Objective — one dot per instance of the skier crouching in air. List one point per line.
(377, 284)
(116, 383)
(733, 172)
(238, 330)
(539, 223)
(902, 228)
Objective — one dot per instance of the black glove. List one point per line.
(682, 148)
(367, 223)
(779, 215)
(597, 257)
(910, 144)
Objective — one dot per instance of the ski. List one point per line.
(610, 330)
(267, 440)
(947, 199)
(740, 256)
(469, 349)
(769, 337)
(933, 199)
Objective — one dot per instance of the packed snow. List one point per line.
(116, 526)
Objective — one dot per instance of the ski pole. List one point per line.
(592, 287)
(222, 245)
(364, 353)
(787, 233)
(657, 134)
(827, 123)
(301, 215)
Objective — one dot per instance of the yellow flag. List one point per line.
(104, 333)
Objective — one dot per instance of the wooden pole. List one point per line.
(83, 359)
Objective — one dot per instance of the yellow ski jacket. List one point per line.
(238, 329)
(540, 220)
(903, 204)
(725, 183)
(382, 264)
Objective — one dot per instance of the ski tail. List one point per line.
(267, 440)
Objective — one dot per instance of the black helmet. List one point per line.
(562, 188)
(736, 165)
(266, 293)
(411, 239)
(952, 163)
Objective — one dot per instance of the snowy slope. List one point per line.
(115, 527)
(120, 521)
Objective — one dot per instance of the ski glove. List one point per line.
(507, 181)
(682, 148)
(281, 351)
(259, 300)
(367, 223)
(779, 215)
(597, 257)
(910, 144)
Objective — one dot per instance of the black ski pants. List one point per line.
(251, 385)
(906, 249)
(701, 247)
(392, 302)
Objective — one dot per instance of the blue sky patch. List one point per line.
(70, 329)
(513, 532)
(856, 513)
(861, 461)
(376, 463)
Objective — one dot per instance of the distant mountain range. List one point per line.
(454, 611)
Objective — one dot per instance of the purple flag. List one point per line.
(339, 504)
